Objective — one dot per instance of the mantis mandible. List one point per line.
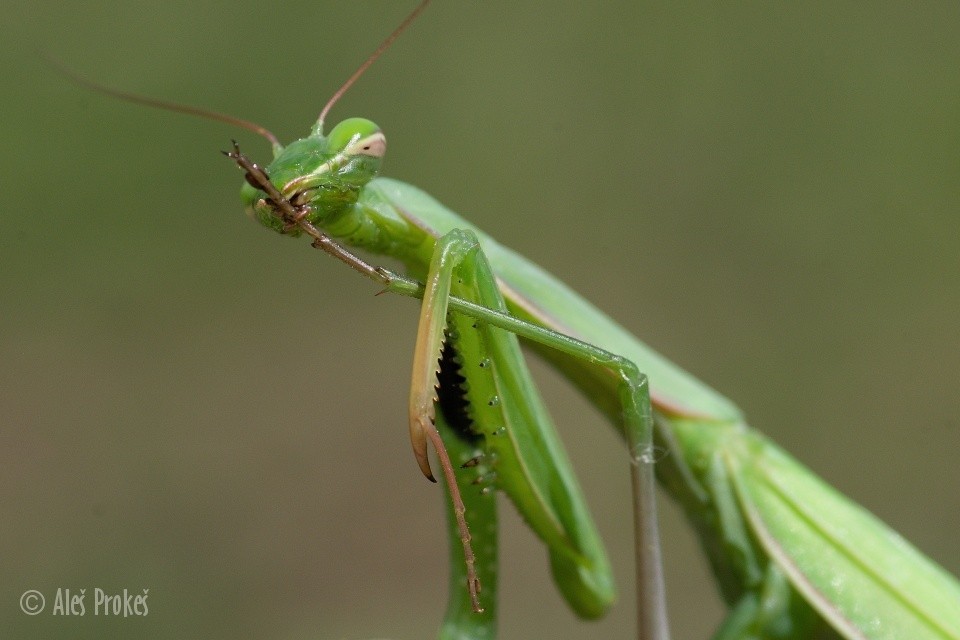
(793, 557)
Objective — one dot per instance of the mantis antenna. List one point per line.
(209, 114)
(167, 105)
(369, 61)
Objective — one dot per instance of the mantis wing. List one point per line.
(861, 576)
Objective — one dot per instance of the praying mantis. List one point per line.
(786, 567)
(742, 493)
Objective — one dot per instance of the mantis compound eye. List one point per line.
(357, 137)
(373, 145)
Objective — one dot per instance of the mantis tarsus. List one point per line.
(743, 494)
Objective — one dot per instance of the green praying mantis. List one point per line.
(793, 558)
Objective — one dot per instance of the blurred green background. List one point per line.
(768, 194)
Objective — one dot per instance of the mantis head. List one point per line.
(311, 180)
(318, 177)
